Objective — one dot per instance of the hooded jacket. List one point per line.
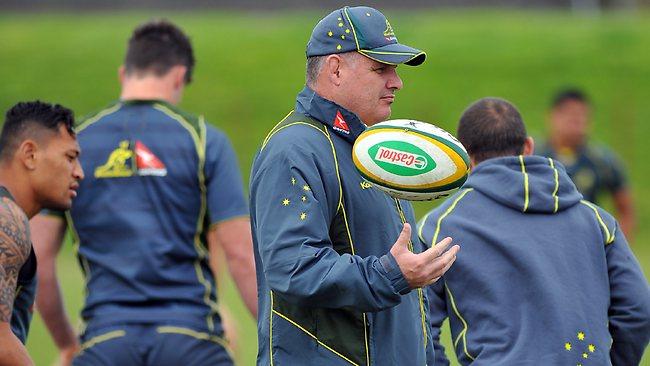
(329, 291)
(543, 277)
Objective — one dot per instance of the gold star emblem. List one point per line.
(367, 14)
(579, 364)
(285, 202)
(293, 181)
(347, 30)
(585, 355)
(338, 47)
(339, 19)
(592, 348)
(303, 216)
(343, 36)
(567, 346)
(303, 199)
(340, 24)
(306, 188)
(581, 336)
(330, 33)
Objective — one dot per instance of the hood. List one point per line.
(530, 184)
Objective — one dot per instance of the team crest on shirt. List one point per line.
(130, 159)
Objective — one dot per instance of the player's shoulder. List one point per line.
(450, 207)
(606, 221)
(297, 131)
(600, 152)
(94, 116)
(14, 233)
(194, 121)
(9, 210)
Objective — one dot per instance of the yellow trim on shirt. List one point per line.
(199, 139)
(557, 186)
(523, 171)
(314, 337)
(609, 238)
(195, 334)
(463, 334)
(97, 117)
(271, 330)
(451, 208)
(423, 317)
(268, 136)
(102, 338)
(341, 206)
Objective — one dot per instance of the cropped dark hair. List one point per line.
(492, 127)
(157, 46)
(28, 120)
(569, 94)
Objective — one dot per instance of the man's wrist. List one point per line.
(394, 274)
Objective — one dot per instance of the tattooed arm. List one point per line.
(14, 251)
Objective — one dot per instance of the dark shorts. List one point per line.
(151, 345)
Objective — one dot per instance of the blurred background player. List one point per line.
(163, 193)
(593, 168)
(545, 277)
(38, 169)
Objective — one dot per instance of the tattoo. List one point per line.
(15, 247)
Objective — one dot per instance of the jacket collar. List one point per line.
(343, 122)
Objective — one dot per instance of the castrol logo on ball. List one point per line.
(401, 158)
(391, 155)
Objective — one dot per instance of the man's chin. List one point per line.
(62, 205)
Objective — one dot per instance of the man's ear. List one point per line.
(472, 163)
(178, 76)
(529, 146)
(121, 74)
(332, 69)
(26, 154)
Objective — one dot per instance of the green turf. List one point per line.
(250, 66)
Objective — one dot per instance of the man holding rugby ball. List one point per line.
(339, 272)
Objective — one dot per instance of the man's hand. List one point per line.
(424, 268)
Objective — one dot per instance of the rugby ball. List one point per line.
(411, 160)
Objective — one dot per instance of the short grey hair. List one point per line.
(314, 66)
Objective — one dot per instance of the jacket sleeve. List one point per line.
(294, 197)
(629, 310)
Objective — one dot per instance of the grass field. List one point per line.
(251, 65)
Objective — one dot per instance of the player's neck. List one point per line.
(17, 185)
(149, 88)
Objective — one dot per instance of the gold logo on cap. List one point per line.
(389, 33)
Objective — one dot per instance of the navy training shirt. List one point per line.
(156, 179)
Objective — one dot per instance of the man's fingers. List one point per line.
(403, 240)
(436, 250)
(450, 260)
(443, 263)
(405, 235)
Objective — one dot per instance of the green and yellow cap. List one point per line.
(362, 29)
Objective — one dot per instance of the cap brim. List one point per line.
(396, 54)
